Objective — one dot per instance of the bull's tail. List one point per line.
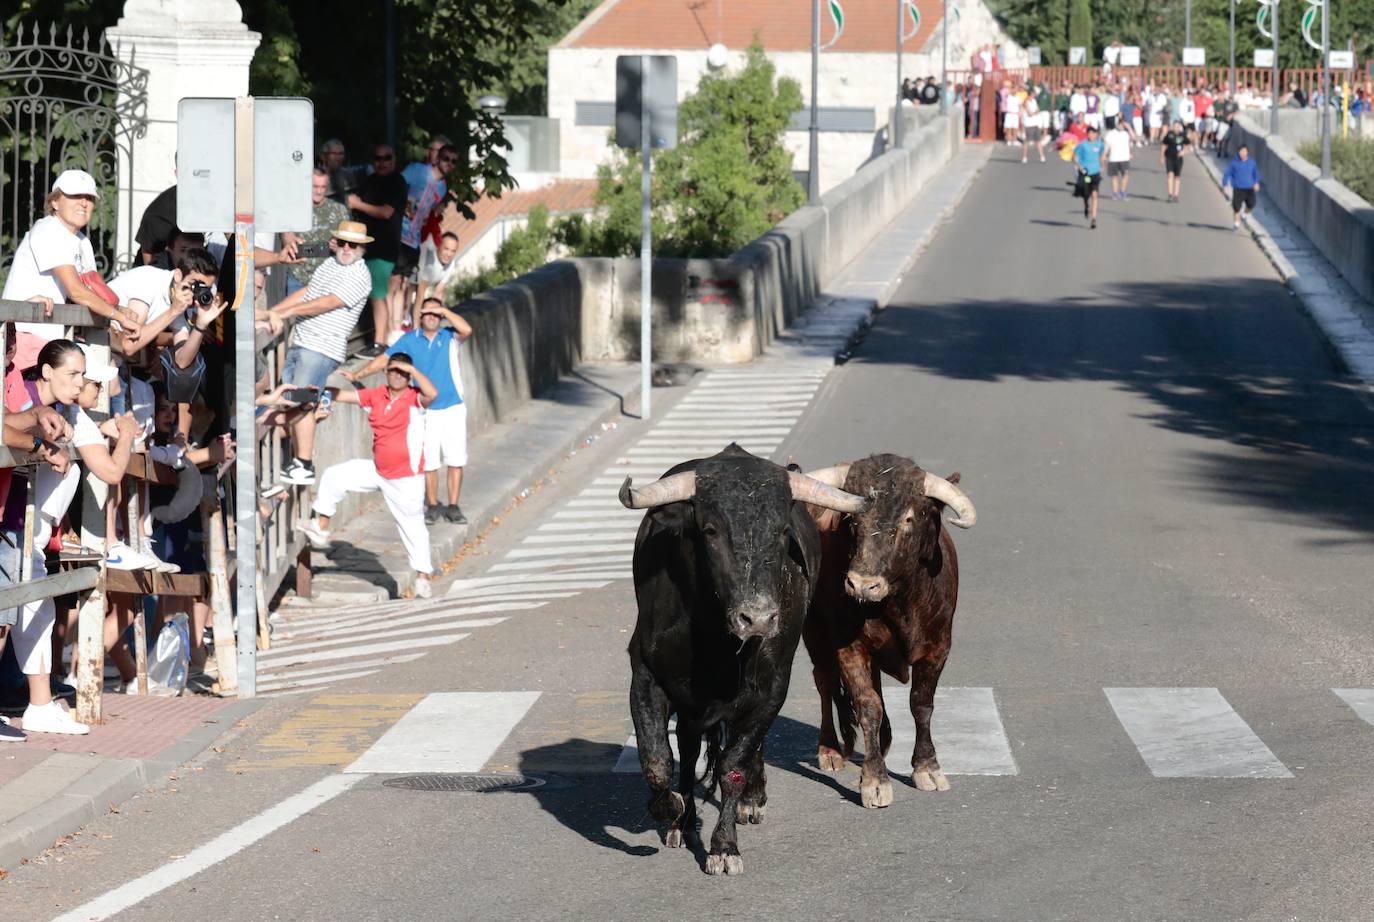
(847, 721)
(715, 737)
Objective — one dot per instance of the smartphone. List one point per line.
(305, 396)
(313, 250)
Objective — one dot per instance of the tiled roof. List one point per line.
(781, 25)
(561, 196)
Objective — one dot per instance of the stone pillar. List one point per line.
(190, 48)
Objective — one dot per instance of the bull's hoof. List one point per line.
(831, 760)
(749, 813)
(876, 795)
(674, 838)
(666, 806)
(933, 780)
(724, 864)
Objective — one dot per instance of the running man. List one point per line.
(1243, 179)
(1118, 147)
(1087, 156)
(1172, 147)
(396, 468)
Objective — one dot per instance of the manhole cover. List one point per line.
(465, 784)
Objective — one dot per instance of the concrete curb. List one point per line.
(111, 782)
(1328, 302)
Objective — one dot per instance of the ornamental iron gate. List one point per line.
(67, 102)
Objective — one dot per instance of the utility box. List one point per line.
(283, 158)
(646, 94)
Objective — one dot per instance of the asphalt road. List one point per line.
(1172, 482)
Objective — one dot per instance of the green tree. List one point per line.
(726, 183)
(1081, 26)
(524, 250)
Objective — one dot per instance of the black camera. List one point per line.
(317, 250)
(202, 295)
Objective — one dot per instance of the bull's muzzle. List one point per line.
(756, 620)
(864, 587)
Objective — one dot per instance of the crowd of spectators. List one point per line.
(375, 240)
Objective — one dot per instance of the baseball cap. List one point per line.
(75, 182)
(97, 371)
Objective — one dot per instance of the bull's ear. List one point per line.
(673, 517)
(953, 478)
(804, 541)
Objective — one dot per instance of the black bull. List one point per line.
(725, 565)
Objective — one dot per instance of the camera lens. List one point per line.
(202, 294)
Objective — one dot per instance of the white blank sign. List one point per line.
(1264, 57)
(1195, 57)
(283, 140)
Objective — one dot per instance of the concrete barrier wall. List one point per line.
(1336, 220)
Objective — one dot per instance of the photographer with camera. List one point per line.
(177, 307)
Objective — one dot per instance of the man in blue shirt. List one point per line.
(1087, 156)
(1243, 179)
(433, 350)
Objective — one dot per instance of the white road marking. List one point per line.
(369, 649)
(267, 678)
(213, 852)
(446, 732)
(966, 729)
(570, 538)
(582, 581)
(626, 523)
(620, 512)
(1192, 733)
(618, 548)
(267, 688)
(569, 565)
(451, 610)
(1361, 701)
(378, 631)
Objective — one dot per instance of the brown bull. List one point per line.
(885, 603)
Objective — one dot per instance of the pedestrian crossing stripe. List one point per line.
(446, 732)
(1361, 701)
(1192, 733)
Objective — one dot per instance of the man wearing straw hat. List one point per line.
(326, 311)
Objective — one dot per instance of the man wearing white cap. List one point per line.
(329, 307)
(55, 258)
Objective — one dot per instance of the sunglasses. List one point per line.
(347, 244)
(383, 157)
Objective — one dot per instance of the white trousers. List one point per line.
(32, 632)
(405, 498)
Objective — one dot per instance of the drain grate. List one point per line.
(493, 783)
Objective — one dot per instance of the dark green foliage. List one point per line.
(524, 250)
(1352, 161)
(726, 183)
(1081, 27)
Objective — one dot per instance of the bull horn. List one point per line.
(671, 489)
(831, 476)
(937, 487)
(809, 490)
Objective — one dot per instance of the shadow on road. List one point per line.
(1228, 360)
(593, 811)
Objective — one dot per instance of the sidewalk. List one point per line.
(52, 785)
(1343, 316)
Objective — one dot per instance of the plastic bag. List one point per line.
(170, 663)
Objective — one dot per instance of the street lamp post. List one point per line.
(1232, 5)
(1274, 76)
(1188, 24)
(1326, 91)
(897, 120)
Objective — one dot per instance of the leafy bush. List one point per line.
(1352, 161)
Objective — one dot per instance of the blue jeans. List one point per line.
(293, 284)
(307, 368)
(10, 562)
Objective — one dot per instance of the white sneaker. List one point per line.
(423, 588)
(52, 718)
(168, 568)
(119, 556)
(317, 536)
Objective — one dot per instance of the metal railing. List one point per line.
(92, 582)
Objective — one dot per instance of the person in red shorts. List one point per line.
(395, 411)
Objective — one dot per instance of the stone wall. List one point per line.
(1336, 220)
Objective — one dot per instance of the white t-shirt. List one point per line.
(1159, 103)
(48, 244)
(432, 271)
(85, 431)
(1013, 104)
(1111, 105)
(1118, 143)
(1187, 112)
(150, 285)
(1078, 104)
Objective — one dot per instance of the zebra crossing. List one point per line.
(584, 545)
(1177, 733)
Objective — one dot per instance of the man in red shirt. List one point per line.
(396, 469)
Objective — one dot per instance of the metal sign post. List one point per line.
(245, 349)
(646, 251)
(646, 117)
